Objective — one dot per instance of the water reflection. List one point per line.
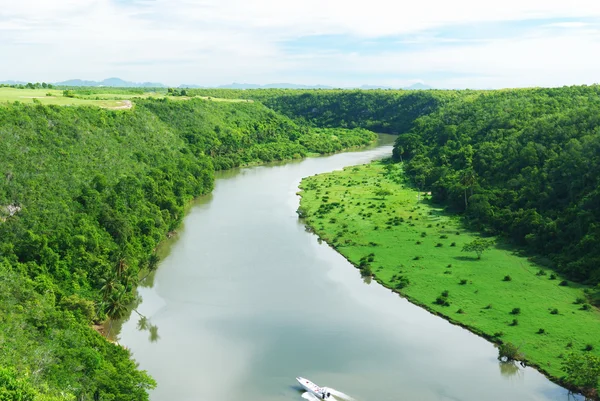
(510, 369)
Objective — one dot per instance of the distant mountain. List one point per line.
(112, 82)
(418, 86)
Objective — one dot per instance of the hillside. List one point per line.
(86, 196)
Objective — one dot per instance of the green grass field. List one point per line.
(410, 239)
(103, 99)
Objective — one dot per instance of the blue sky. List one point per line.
(458, 44)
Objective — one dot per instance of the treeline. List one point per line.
(86, 195)
(384, 111)
(240, 133)
(520, 163)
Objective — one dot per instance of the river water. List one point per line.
(246, 300)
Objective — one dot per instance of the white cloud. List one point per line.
(220, 41)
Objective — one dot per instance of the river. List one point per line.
(247, 299)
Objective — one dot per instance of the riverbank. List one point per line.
(388, 230)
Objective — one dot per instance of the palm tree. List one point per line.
(116, 308)
(467, 180)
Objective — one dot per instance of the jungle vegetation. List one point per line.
(86, 195)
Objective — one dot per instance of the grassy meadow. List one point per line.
(103, 98)
(414, 248)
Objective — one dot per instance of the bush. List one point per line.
(553, 276)
(453, 244)
(445, 293)
(515, 311)
(449, 266)
(586, 307)
(416, 258)
(498, 334)
(439, 245)
(514, 322)
(423, 234)
(554, 311)
(507, 278)
(489, 306)
(588, 347)
(418, 242)
(460, 311)
(541, 331)
(462, 282)
(563, 283)
(579, 300)
(402, 282)
(509, 352)
(442, 301)
(541, 273)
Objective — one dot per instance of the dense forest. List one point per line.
(521, 163)
(383, 111)
(86, 196)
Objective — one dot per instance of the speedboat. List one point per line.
(322, 393)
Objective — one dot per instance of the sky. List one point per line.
(443, 43)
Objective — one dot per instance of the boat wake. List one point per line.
(335, 395)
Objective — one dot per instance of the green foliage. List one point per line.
(478, 246)
(520, 163)
(582, 369)
(509, 352)
(487, 302)
(86, 195)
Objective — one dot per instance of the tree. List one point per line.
(383, 193)
(583, 370)
(467, 180)
(509, 352)
(478, 246)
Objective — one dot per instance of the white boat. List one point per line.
(321, 393)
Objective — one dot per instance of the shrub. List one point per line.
(442, 301)
(554, 311)
(445, 293)
(541, 331)
(569, 344)
(453, 244)
(449, 266)
(402, 282)
(416, 258)
(439, 245)
(585, 307)
(460, 311)
(443, 236)
(579, 300)
(423, 234)
(507, 278)
(418, 242)
(541, 273)
(489, 306)
(515, 311)
(553, 276)
(588, 347)
(509, 352)
(498, 334)
(463, 282)
(514, 322)
(447, 272)
(564, 283)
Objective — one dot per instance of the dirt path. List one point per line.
(125, 105)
